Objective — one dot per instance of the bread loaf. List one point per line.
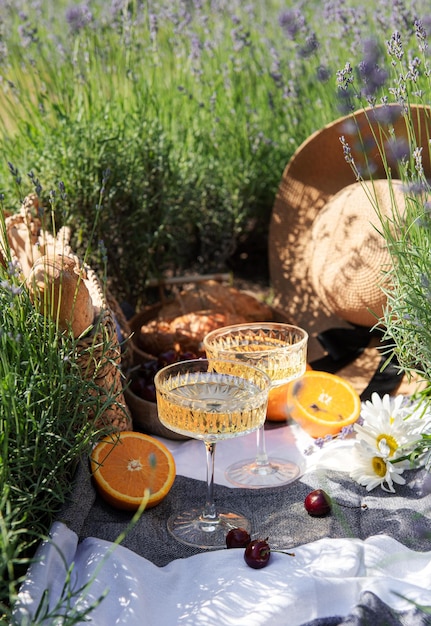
(215, 297)
(57, 286)
(184, 333)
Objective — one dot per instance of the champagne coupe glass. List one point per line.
(280, 350)
(210, 400)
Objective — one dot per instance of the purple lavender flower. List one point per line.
(421, 35)
(14, 290)
(240, 38)
(36, 183)
(413, 73)
(28, 34)
(154, 26)
(416, 188)
(292, 22)
(398, 148)
(372, 75)
(347, 151)
(401, 17)
(417, 156)
(14, 269)
(103, 251)
(346, 431)
(195, 48)
(78, 17)
(323, 74)
(311, 45)
(62, 190)
(15, 172)
(345, 76)
(346, 101)
(395, 46)
(387, 115)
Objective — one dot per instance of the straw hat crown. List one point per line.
(327, 260)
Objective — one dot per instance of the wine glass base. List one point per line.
(193, 530)
(250, 474)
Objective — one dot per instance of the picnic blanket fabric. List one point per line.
(276, 513)
(335, 579)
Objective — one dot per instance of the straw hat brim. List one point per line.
(316, 173)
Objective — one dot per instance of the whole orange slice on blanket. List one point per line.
(321, 403)
(129, 467)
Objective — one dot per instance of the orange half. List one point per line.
(322, 403)
(129, 467)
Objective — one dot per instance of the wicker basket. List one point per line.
(100, 357)
(144, 413)
(99, 353)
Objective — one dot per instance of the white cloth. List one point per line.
(287, 442)
(324, 578)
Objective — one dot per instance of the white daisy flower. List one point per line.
(374, 469)
(387, 405)
(387, 427)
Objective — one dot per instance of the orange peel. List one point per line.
(130, 468)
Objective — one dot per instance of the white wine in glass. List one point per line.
(280, 350)
(210, 400)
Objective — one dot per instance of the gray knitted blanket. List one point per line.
(279, 515)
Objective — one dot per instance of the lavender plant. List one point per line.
(398, 75)
(195, 107)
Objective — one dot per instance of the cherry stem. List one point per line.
(353, 506)
(283, 552)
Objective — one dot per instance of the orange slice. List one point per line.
(322, 403)
(129, 467)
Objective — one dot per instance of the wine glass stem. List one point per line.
(262, 457)
(209, 513)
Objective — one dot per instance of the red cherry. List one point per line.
(318, 503)
(237, 538)
(257, 553)
(148, 369)
(187, 356)
(167, 358)
(148, 392)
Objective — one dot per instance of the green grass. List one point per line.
(51, 415)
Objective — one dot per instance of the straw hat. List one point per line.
(326, 257)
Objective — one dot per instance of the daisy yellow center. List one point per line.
(379, 466)
(389, 442)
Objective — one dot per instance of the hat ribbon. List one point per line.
(344, 345)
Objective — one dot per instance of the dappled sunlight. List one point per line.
(324, 578)
(238, 593)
